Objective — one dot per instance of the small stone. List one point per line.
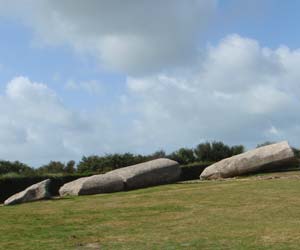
(35, 192)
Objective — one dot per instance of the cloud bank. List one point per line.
(179, 92)
(134, 37)
(240, 93)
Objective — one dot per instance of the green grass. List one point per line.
(218, 215)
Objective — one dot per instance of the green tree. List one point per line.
(15, 167)
(237, 149)
(70, 167)
(53, 167)
(158, 154)
(183, 156)
(296, 152)
(203, 152)
(101, 164)
(266, 143)
(90, 164)
(219, 151)
(216, 151)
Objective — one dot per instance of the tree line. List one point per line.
(204, 152)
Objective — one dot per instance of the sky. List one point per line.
(113, 76)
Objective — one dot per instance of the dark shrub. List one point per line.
(193, 171)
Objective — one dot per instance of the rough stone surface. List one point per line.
(73, 187)
(96, 184)
(151, 173)
(35, 192)
(251, 161)
(156, 172)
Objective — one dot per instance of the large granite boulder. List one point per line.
(96, 184)
(251, 161)
(35, 192)
(156, 172)
(151, 173)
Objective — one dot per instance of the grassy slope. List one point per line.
(248, 214)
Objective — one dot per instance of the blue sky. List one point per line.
(80, 78)
(54, 65)
(271, 22)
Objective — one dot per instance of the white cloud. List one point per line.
(273, 131)
(92, 87)
(135, 37)
(36, 127)
(33, 121)
(238, 92)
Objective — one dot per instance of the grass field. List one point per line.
(234, 214)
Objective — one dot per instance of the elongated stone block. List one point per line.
(251, 161)
(35, 192)
(96, 184)
(151, 173)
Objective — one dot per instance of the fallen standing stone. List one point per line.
(151, 173)
(251, 161)
(96, 184)
(35, 192)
